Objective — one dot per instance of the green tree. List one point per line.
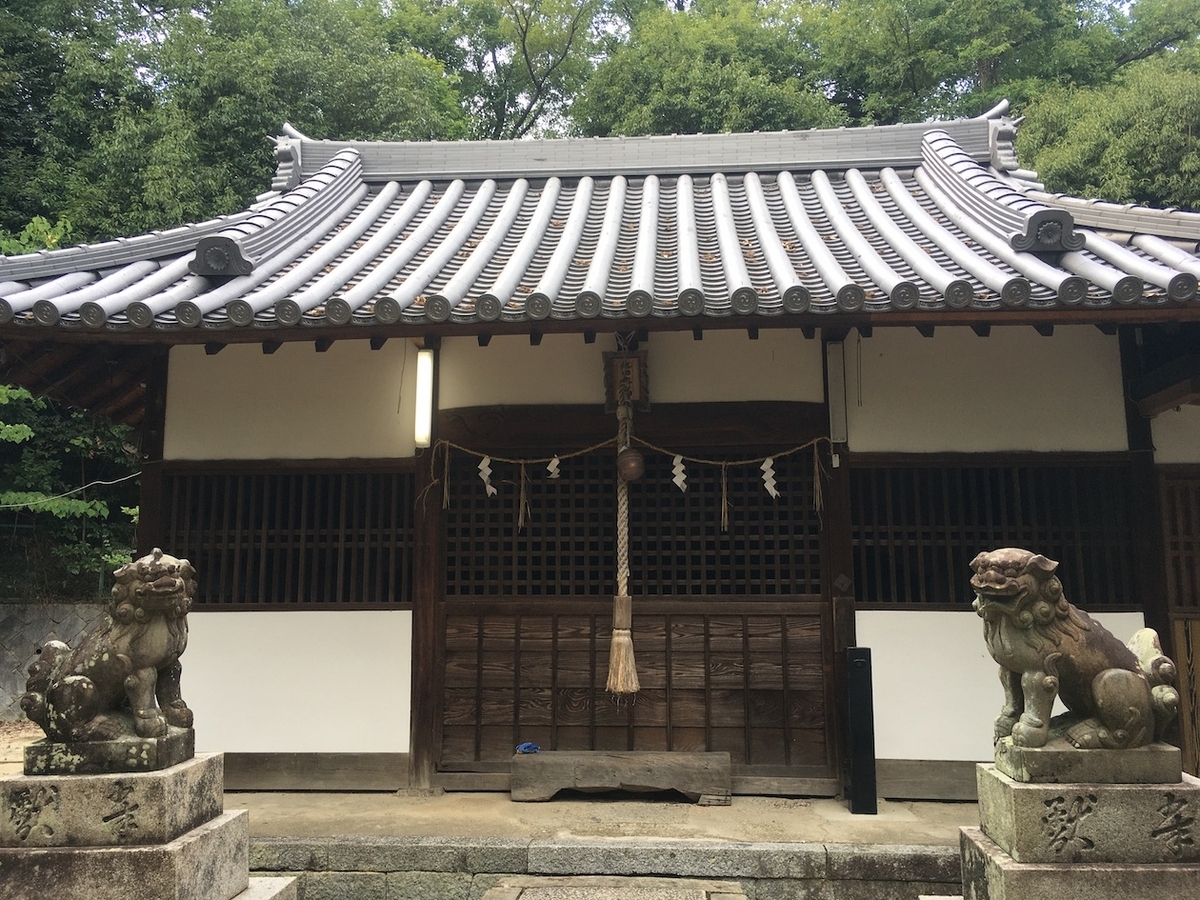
(1136, 140)
(520, 62)
(135, 116)
(67, 489)
(722, 65)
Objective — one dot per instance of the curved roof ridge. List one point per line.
(117, 252)
(1124, 217)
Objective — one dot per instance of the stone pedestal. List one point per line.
(158, 835)
(1042, 836)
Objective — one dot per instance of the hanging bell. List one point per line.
(631, 465)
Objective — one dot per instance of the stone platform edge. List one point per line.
(466, 868)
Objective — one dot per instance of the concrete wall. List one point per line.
(350, 401)
(957, 392)
(24, 627)
(1176, 435)
(725, 366)
(315, 682)
(936, 688)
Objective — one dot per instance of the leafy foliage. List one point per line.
(60, 540)
(1135, 141)
(726, 65)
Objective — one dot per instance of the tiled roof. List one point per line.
(847, 220)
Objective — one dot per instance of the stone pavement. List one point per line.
(597, 888)
(459, 846)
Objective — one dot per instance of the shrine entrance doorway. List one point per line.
(733, 635)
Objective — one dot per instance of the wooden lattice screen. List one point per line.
(1181, 538)
(916, 528)
(314, 539)
(677, 547)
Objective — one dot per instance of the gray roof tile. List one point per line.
(709, 226)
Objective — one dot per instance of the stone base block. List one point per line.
(208, 863)
(110, 810)
(704, 778)
(127, 754)
(1107, 823)
(1060, 763)
(991, 874)
(269, 889)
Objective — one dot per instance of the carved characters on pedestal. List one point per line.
(123, 678)
(1117, 696)
(1063, 823)
(25, 808)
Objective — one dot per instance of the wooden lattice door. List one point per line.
(730, 631)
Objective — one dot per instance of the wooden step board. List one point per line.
(585, 887)
(703, 778)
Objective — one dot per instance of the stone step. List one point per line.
(269, 889)
(583, 887)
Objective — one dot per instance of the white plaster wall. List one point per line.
(350, 401)
(728, 366)
(936, 688)
(1176, 435)
(957, 392)
(725, 366)
(562, 369)
(300, 682)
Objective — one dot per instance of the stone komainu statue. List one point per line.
(1117, 696)
(123, 678)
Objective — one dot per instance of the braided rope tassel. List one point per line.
(622, 668)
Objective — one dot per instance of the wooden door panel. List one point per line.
(749, 680)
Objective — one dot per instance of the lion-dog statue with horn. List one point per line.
(1117, 696)
(123, 678)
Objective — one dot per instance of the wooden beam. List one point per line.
(483, 339)
(1182, 393)
(925, 330)
(151, 514)
(865, 330)
(535, 338)
(809, 331)
(212, 348)
(589, 336)
(752, 333)
(322, 344)
(1145, 526)
(697, 334)
(378, 341)
(1108, 328)
(1045, 329)
(982, 330)
(269, 347)
(428, 675)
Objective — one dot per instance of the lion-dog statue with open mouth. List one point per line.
(1117, 696)
(123, 678)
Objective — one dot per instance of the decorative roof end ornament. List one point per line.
(1026, 224)
(220, 257)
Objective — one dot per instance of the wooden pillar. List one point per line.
(837, 550)
(150, 529)
(428, 588)
(1146, 510)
